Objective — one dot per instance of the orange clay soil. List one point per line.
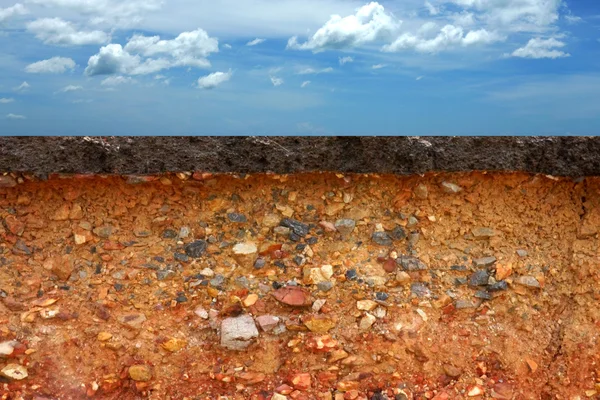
(311, 286)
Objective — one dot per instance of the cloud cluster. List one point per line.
(9, 12)
(189, 49)
(541, 48)
(54, 65)
(213, 80)
(255, 42)
(58, 32)
(312, 71)
(5, 100)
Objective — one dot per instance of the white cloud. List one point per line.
(418, 78)
(541, 48)
(227, 46)
(448, 37)
(63, 33)
(307, 127)
(345, 60)
(305, 84)
(22, 87)
(9, 12)
(113, 13)
(433, 10)
(188, 49)
(276, 81)
(255, 42)
(70, 88)
(378, 66)
(213, 80)
(573, 19)
(5, 100)
(54, 65)
(312, 71)
(117, 80)
(15, 116)
(370, 23)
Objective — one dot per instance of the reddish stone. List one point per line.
(113, 246)
(389, 265)
(301, 381)
(15, 226)
(293, 296)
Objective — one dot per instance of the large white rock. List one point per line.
(237, 333)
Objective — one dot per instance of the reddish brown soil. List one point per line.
(74, 313)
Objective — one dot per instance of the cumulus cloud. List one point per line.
(276, 81)
(255, 42)
(9, 12)
(541, 48)
(63, 33)
(573, 19)
(188, 49)
(70, 88)
(15, 116)
(449, 36)
(345, 60)
(312, 71)
(305, 84)
(116, 80)
(22, 87)
(515, 14)
(5, 100)
(370, 23)
(378, 66)
(54, 65)
(433, 10)
(213, 80)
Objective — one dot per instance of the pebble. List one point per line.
(421, 191)
(351, 274)
(297, 227)
(462, 304)
(381, 296)
(250, 300)
(325, 286)
(318, 304)
(398, 233)
(483, 233)
(14, 371)
(7, 348)
(382, 238)
(196, 249)
(173, 345)
(201, 312)
(237, 333)
(267, 322)
(133, 321)
(452, 371)
(528, 281)
(259, 263)
(318, 323)
(293, 296)
(140, 373)
(103, 231)
(184, 232)
(104, 336)
(479, 278)
(366, 305)
(481, 294)
(367, 322)
(420, 290)
(498, 286)
(7, 181)
(237, 217)
(522, 253)
(402, 277)
(301, 381)
(484, 261)
(345, 226)
(169, 234)
(411, 263)
(449, 187)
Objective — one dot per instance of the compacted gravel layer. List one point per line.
(307, 286)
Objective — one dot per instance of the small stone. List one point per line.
(196, 249)
(484, 261)
(301, 381)
(319, 323)
(325, 286)
(381, 296)
(503, 271)
(245, 254)
(201, 312)
(452, 371)
(237, 333)
(328, 226)
(181, 257)
(528, 281)
(411, 263)
(367, 321)
(297, 227)
(259, 263)
(398, 233)
(282, 231)
(389, 265)
(366, 305)
(502, 391)
(420, 191)
(184, 232)
(277, 396)
(479, 278)
(270, 220)
(250, 300)
(345, 226)
(293, 296)
(79, 239)
(133, 321)
(498, 286)
(402, 277)
(483, 233)
(104, 231)
(450, 187)
(327, 271)
(522, 253)
(267, 322)
(351, 274)
(7, 348)
(462, 304)
(217, 281)
(334, 208)
(382, 238)
(15, 226)
(475, 391)
(140, 373)
(7, 181)
(237, 217)
(412, 221)
(14, 371)
(533, 366)
(480, 294)
(104, 336)
(318, 304)
(174, 344)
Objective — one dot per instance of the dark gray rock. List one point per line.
(382, 238)
(237, 217)
(484, 261)
(345, 226)
(420, 290)
(297, 227)
(479, 278)
(196, 249)
(411, 263)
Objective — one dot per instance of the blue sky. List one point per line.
(253, 67)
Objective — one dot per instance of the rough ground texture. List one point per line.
(442, 286)
(560, 156)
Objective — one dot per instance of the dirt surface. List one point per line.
(560, 156)
(308, 286)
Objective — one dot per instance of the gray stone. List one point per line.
(420, 191)
(462, 304)
(483, 233)
(479, 278)
(449, 187)
(237, 217)
(484, 261)
(398, 233)
(282, 231)
(297, 227)
(345, 226)
(325, 286)
(420, 290)
(382, 238)
(522, 253)
(237, 333)
(528, 281)
(196, 249)
(411, 263)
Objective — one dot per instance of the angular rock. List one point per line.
(411, 263)
(267, 322)
(529, 281)
(367, 321)
(484, 262)
(196, 249)
(132, 321)
(420, 191)
(237, 217)
(366, 305)
(319, 323)
(7, 181)
(398, 233)
(479, 278)
(498, 286)
(420, 290)
(382, 238)
(237, 333)
(103, 231)
(293, 296)
(483, 233)
(297, 227)
(140, 373)
(345, 226)
(245, 254)
(14, 371)
(449, 187)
